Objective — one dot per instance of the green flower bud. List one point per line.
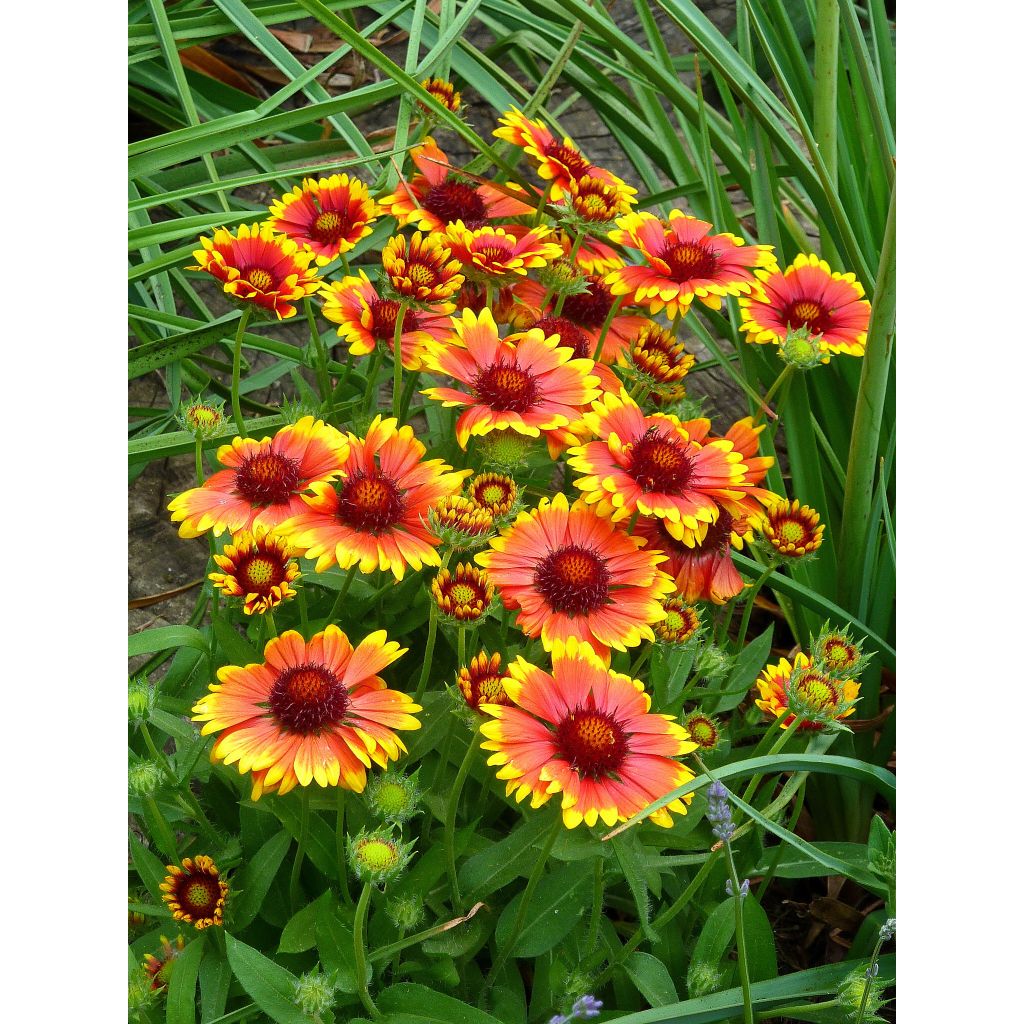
(702, 979)
(377, 856)
(714, 664)
(313, 992)
(393, 797)
(202, 419)
(837, 652)
(144, 778)
(405, 912)
(505, 449)
(563, 278)
(801, 351)
(141, 698)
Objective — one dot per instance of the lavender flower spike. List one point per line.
(719, 814)
(586, 1007)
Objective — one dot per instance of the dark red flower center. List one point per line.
(660, 463)
(807, 313)
(371, 502)
(307, 698)
(591, 741)
(571, 159)
(455, 200)
(589, 309)
(573, 580)
(262, 280)
(817, 690)
(384, 316)
(260, 572)
(330, 226)
(198, 894)
(717, 537)
(570, 335)
(267, 478)
(506, 387)
(688, 261)
(495, 252)
(424, 275)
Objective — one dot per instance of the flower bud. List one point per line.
(659, 362)
(680, 625)
(463, 596)
(802, 351)
(496, 493)
(714, 664)
(313, 992)
(377, 856)
(792, 529)
(141, 698)
(460, 522)
(563, 278)
(480, 682)
(393, 797)
(160, 964)
(405, 912)
(144, 778)
(505, 449)
(702, 979)
(704, 730)
(838, 654)
(202, 419)
(444, 92)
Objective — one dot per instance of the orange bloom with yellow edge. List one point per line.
(259, 267)
(258, 568)
(527, 382)
(588, 733)
(482, 681)
(421, 268)
(326, 216)
(597, 200)
(262, 481)
(651, 465)
(435, 197)
(366, 320)
(793, 529)
(376, 514)
(808, 294)
(817, 691)
(495, 254)
(685, 261)
(315, 711)
(444, 92)
(160, 965)
(571, 573)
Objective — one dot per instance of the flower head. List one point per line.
(658, 361)
(421, 268)
(806, 689)
(572, 574)
(460, 522)
(597, 200)
(160, 964)
(393, 796)
(684, 261)
(808, 294)
(195, 892)
(495, 492)
(202, 419)
(258, 568)
(377, 856)
(375, 516)
(262, 481)
(313, 711)
(586, 732)
(444, 92)
(463, 595)
(327, 217)
(837, 652)
(493, 253)
(704, 730)
(482, 681)
(681, 622)
(259, 268)
(791, 529)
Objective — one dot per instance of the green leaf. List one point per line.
(759, 941)
(416, 1004)
(165, 638)
(334, 940)
(299, 933)
(882, 850)
(556, 906)
(652, 978)
(151, 869)
(713, 942)
(214, 982)
(495, 867)
(256, 878)
(235, 647)
(181, 991)
(270, 985)
(626, 848)
(749, 663)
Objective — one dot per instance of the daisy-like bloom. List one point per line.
(460, 522)
(597, 200)
(792, 529)
(435, 198)
(262, 480)
(808, 294)
(650, 464)
(259, 267)
(195, 892)
(421, 268)
(366, 320)
(704, 731)
(258, 568)
(160, 964)
(312, 712)
(444, 92)
(571, 573)
(826, 698)
(326, 216)
(836, 650)
(684, 262)
(526, 382)
(463, 595)
(681, 622)
(482, 681)
(375, 515)
(572, 336)
(659, 361)
(495, 254)
(494, 492)
(588, 733)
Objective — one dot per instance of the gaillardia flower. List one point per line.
(803, 684)
(597, 200)
(571, 573)
(808, 294)
(258, 568)
(838, 653)
(680, 624)
(262, 481)
(684, 262)
(460, 522)
(314, 711)
(367, 321)
(195, 892)
(326, 216)
(160, 964)
(444, 92)
(494, 492)
(650, 464)
(482, 681)
(463, 595)
(792, 529)
(526, 382)
(588, 733)
(421, 268)
(704, 730)
(496, 254)
(259, 267)
(435, 198)
(658, 361)
(375, 516)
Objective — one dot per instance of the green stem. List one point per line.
(868, 982)
(342, 594)
(359, 948)
(546, 84)
(200, 477)
(450, 812)
(722, 632)
(461, 634)
(396, 398)
(410, 390)
(164, 836)
(783, 377)
(577, 242)
(303, 610)
(236, 369)
(826, 80)
(428, 654)
(641, 660)
(323, 379)
(371, 380)
(300, 853)
(606, 326)
(268, 617)
(741, 945)
(748, 608)
(339, 848)
(595, 910)
(542, 202)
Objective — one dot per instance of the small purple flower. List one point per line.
(586, 1007)
(744, 887)
(560, 1018)
(719, 814)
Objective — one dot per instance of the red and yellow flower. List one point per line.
(659, 361)
(315, 711)
(421, 268)
(526, 382)
(366, 320)
(195, 892)
(435, 198)
(327, 217)
(588, 733)
(444, 92)
(827, 697)
(571, 573)
(463, 595)
(258, 568)
(685, 261)
(808, 294)
(495, 254)
(793, 529)
(482, 681)
(160, 964)
(259, 267)
(262, 481)
(680, 624)
(375, 515)
(495, 492)
(597, 200)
